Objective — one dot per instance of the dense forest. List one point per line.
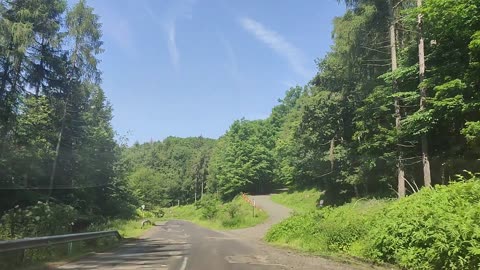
(172, 171)
(57, 143)
(395, 105)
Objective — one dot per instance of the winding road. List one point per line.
(181, 245)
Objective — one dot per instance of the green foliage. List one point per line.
(128, 228)
(231, 215)
(300, 201)
(243, 160)
(472, 132)
(299, 231)
(161, 173)
(41, 219)
(208, 206)
(329, 230)
(433, 229)
(56, 136)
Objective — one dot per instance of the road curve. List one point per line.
(181, 245)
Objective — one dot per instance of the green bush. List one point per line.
(40, 219)
(329, 229)
(231, 222)
(300, 201)
(300, 231)
(432, 229)
(208, 206)
(232, 209)
(341, 227)
(212, 213)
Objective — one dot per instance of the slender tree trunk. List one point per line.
(332, 153)
(398, 116)
(427, 179)
(39, 82)
(3, 85)
(355, 189)
(62, 127)
(443, 173)
(6, 70)
(196, 184)
(57, 152)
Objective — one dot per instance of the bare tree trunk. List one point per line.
(427, 179)
(196, 184)
(398, 116)
(62, 127)
(332, 153)
(57, 152)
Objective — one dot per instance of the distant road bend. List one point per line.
(181, 245)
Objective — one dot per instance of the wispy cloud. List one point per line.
(278, 43)
(172, 45)
(118, 28)
(231, 58)
(178, 9)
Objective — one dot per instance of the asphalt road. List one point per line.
(181, 245)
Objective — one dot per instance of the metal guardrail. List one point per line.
(26, 243)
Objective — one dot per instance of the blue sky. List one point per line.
(191, 67)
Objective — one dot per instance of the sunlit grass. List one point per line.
(300, 201)
(244, 217)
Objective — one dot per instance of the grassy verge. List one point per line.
(43, 258)
(327, 231)
(131, 228)
(300, 201)
(213, 214)
(432, 229)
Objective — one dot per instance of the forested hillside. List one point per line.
(56, 140)
(383, 116)
(395, 105)
(172, 171)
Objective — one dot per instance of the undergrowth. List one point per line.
(300, 201)
(212, 213)
(433, 229)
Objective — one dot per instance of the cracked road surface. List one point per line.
(181, 245)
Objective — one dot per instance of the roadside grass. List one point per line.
(435, 228)
(327, 231)
(48, 257)
(216, 215)
(300, 201)
(128, 228)
(54, 256)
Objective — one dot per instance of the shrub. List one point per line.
(341, 227)
(158, 212)
(300, 201)
(297, 227)
(232, 222)
(329, 229)
(40, 219)
(208, 206)
(432, 229)
(232, 209)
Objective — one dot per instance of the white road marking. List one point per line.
(184, 263)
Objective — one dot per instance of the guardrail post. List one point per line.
(70, 248)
